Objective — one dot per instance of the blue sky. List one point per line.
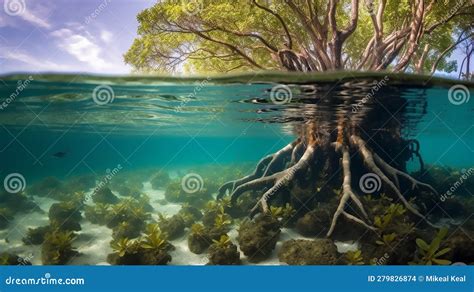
(67, 35)
(71, 35)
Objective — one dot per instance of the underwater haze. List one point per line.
(127, 170)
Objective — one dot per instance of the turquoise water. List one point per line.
(153, 123)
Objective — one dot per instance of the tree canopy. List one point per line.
(300, 35)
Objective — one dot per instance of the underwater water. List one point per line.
(125, 170)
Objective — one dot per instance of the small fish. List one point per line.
(59, 154)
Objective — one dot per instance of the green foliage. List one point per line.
(127, 210)
(354, 257)
(4, 259)
(228, 35)
(126, 229)
(288, 212)
(430, 253)
(218, 206)
(387, 239)
(78, 199)
(276, 212)
(198, 229)
(284, 213)
(154, 239)
(97, 213)
(222, 221)
(62, 240)
(393, 212)
(123, 246)
(57, 247)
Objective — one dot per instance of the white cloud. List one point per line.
(32, 12)
(81, 47)
(35, 20)
(106, 36)
(32, 62)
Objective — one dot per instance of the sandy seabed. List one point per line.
(93, 241)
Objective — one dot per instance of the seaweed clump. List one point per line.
(429, 254)
(128, 210)
(394, 228)
(57, 247)
(98, 213)
(213, 209)
(198, 239)
(35, 236)
(215, 225)
(354, 257)
(223, 252)
(151, 249)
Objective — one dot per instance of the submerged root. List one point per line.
(278, 170)
(281, 179)
(265, 167)
(258, 172)
(370, 161)
(347, 194)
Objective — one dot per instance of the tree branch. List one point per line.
(283, 24)
(448, 49)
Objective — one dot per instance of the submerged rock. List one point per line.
(159, 180)
(314, 223)
(105, 196)
(173, 227)
(309, 252)
(65, 216)
(462, 247)
(190, 214)
(14, 203)
(198, 243)
(6, 216)
(257, 239)
(224, 252)
(159, 258)
(125, 229)
(50, 187)
(154, 258)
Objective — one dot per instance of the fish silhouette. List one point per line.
(60, 154)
